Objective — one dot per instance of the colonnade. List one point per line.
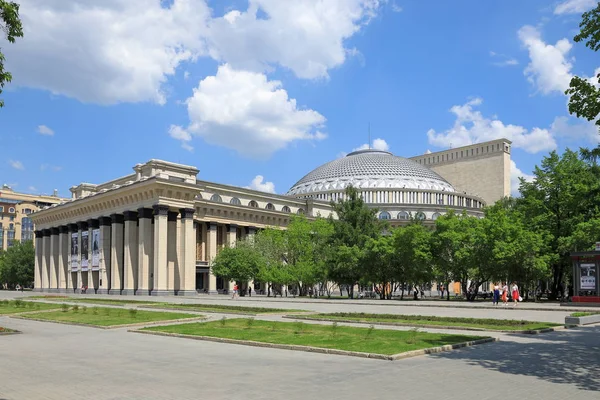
(149, 251)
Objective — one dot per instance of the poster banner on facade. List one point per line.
(85, 241)
(74, 252)
(95, 249)
(588, 276)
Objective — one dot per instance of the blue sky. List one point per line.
(259, 93)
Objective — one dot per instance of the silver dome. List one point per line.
(369, 169)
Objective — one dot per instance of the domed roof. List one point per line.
(369, 169)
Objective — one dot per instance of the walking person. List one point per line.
(514, 290)
(235, 289)
(249, 291)
(496, 294)
(504, 294)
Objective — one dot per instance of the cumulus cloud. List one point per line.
(259, 183)
(472, 127)
(44, 130)
(305, 36)
(246, 112)
(574, 6)
(378, 144)
(178, 133)
(106, 52)
(515, 174)
(16, 164)
(125, 50)
(549, 69)
(575, 129)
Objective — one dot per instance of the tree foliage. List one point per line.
(10, 24)
(584, 96)
(238, 263)
(17, 264)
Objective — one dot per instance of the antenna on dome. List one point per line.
(369, 142)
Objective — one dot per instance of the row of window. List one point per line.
(402, 197)
(235, 201)
(11, 210)
(403, 215)
(463, 153)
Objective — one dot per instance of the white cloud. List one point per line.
(177, 132)
(50, 167)
(574, 6)
(44, 130)
(378, 144)
(186, 75)
(106, 52)
(305, 36)
(503, 60)
(472, 127)
(396, 8)
(258, 183)
(548, 70)
(32, 189)
(16, 164)
(515, 174)
(575, 129)
(246, 112)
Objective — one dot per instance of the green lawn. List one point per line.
(584, 314)
(433, 321)
(111, 302)
(20, 306)
(369, 340)
(218, 308)
(103, 316)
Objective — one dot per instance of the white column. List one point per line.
(211, 236)
(116, 254)
(187, 259)
(159, 269)
(231, 240)
(145, 251)
(64, 281)
(54, 260)
(46, 260)
(105, 255)
(130, 250)
(73, 272)
(38, 274)
(173, 245)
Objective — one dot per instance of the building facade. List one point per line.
(16, 208)
(157, 230)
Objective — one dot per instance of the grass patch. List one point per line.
(103, 316)
(110, 302)
(379, 341)
(584, 314)
(6, 330)
(20, 306)
(217, 308)
(433, 321)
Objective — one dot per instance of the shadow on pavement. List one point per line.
(569, 357)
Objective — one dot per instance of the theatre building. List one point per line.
(156, 231)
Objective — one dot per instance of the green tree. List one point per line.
(379, 262)
(563, 194)
(355, 225)
(270, 244)
(10, 24)
(240, 263)
(17, 264)
(412, 255)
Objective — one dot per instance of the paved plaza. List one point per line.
(55, 361)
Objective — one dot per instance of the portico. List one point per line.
(154, 232)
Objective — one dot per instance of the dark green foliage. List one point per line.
(10, 25)
(17, 264)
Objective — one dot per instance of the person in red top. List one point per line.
(235, 291)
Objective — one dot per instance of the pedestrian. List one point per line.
(249, 291)
(504, 294)
(496, 294)
(235, 289)
(514, 289)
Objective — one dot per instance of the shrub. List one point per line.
(223, 321)
(249, 323)
(75, 308)
(412, 335)
(370, 331)
(64, 307)
(19, 303)
(95, 310)
(30, 304)
(84, 309)
(299, 328)
(133, 312)
(107, 311)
